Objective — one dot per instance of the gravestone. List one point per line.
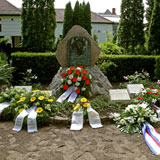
(27, 88)
(119, 95)
(134, 88)
(78, 48)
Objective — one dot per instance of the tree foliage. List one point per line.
(38, 25)
(154, 30)
(68, 19)
(131, 28)
(81, 15)
(150, 4)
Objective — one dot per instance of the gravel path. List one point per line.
(59, 143)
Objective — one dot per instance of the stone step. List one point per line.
(119, 96)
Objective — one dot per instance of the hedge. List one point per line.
(122, 65)
(45, 65)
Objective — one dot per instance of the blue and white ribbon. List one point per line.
(152, 138)
(157, 109)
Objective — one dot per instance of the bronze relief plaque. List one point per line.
(78, 51)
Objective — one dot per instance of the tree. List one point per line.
(131, 28)
(149, 10)
(68, 19)
(87, 18)
(76, 14)
(38, 25)
(81, 15)
(154, 30)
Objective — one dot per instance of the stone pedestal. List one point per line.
(100, 83)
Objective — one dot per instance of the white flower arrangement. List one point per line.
(133, 116)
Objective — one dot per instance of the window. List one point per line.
(0, 28)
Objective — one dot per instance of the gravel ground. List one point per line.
(57, 142)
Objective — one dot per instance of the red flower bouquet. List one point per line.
(78, 77)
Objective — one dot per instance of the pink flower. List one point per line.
(126, 78)
(158, 82)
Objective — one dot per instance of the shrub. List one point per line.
(43, 65)
(157, 68)
(127, 65)
(5, 74)
(108, 47)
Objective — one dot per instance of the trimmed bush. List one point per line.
(44, 65)
(157, 68)
(126, 65)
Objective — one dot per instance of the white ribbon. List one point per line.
(72, 97)
(19, 120)
(77, 120)
(94, 119)
(65, 94)
(31, 121)
(3, 106)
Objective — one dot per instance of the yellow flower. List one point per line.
(32, 99)
(36, 90)
(76, 107)
(86, 105)
(21, 110)
(83, 100)
(50, 100)
(39, 109)
(41, 98)
(19, 101)
(23, 99)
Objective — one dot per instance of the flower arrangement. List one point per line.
(131, 119)
(77, 77)
(42, 100)
(137, 77)
(83, 102)
(10, 95)
(148, 95)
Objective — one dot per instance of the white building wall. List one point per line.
(59, 30)
(11, 26)
(100, 31)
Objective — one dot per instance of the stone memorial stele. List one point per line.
(78, 48)
(119, 95)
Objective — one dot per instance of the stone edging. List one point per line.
(62, 120)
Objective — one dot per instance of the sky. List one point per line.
(98, 6)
